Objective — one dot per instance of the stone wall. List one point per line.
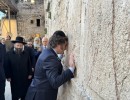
(99, 36)
(27, 18)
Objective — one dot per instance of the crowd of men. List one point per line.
(34, 68)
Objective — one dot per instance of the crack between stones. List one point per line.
(113, 53)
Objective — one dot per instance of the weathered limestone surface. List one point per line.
(28, 12)
(99, 36)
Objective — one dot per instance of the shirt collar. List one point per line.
(54, 51)
(44, 46)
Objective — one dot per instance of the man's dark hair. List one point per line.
(9, 37)
(57, 38)
(59, 33)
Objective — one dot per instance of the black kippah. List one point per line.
(59, 33)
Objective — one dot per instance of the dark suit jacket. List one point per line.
(32, 55)
(48, 77)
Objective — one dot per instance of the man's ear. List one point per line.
(61, 47)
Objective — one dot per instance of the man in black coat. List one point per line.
(2, 74)
(48, 74)
(18, 69)
(32, 56)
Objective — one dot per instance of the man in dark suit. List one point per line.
(49, 76)
(2, 74)
(44, 43)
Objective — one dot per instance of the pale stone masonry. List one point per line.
(99, 36)
(30, 18)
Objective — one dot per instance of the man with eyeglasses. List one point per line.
(44, 43)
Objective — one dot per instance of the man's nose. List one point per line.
(19, 47)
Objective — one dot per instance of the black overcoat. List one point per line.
(2, 73)
(2, 54)
(18, 67)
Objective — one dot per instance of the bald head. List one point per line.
(44, 41)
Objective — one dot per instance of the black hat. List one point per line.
(19, 40)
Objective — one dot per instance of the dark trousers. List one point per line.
(2, 90)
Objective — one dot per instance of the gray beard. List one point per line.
(18, 50)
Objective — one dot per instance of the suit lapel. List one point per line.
(55, 54)
(60, 66)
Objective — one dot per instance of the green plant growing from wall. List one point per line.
(45, 31)
(48, 10)
(48, 7)
(49, 15)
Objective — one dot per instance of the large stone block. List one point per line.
(99, 33)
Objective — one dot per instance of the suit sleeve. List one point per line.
(7, 66)
(1, 54)
(2, 73)
(32, 58)
(52, 72)
(29, 66)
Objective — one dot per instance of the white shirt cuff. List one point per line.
(72, 69)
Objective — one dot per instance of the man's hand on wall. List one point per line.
(72, 61)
